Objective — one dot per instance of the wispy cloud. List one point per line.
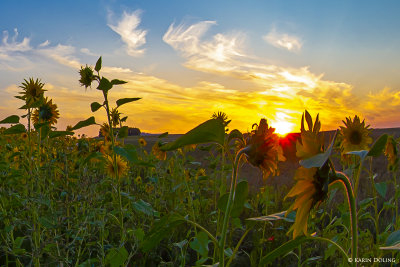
(216, 54)
(14, 45)
(283, 40)
(127, 28)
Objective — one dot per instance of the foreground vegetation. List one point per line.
(67, 201)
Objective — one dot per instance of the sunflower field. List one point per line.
(116, 200)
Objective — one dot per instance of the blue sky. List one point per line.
(188, 59)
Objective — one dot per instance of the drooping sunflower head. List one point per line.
(311, 141)
(310, 189)
(121, 167)
(264, 150)
(115, 117)
(391, 154)
(87, 76)
(32, 91)
(47, 112)
(355, 135)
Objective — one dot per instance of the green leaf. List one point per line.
(16, 129)
(44, 131)
(379, 146)
(116, 257)
(104, 85)
(274, 217)
(122, 101)
(116, 82)
(241, 193)
(84, 123)
(163, 135)
(144, 207)
(381, 188)
(95, 106)
(319, 159)
(54, 134)
(393, 238)
(129, 152)
(362, 154)
(200, 244)
(160, 230)
(210, 131)
(98, 65)
(11, 119)
(282, 250)
(235, 134)
(93, 155)
(123, 132)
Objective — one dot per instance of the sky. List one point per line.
(189, 59)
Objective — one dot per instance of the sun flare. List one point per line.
(282, 127)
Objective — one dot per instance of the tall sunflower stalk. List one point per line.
(104, 85)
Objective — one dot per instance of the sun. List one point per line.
(282, 127)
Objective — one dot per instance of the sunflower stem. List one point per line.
(341, 177)
(229, 206)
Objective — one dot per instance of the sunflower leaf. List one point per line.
(282, 250)
(16, 129)
(379, 146)
(319, 159)
(11, 119)
(95, 106)
(381, 188)
(54, 134)
(122, 101)
(104, 85)
(98, 65)
(163, 135)
(116, 82)
(84, 123)
(210, 131)
(274, 217)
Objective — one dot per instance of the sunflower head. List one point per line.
(391, 154)
(105, 132)
(87, 76)
(115, 117)
(264, 150)
(32, 91)
(157, 152)
(310, 189)
(47, 112)
(221, 116)
(311, 141)
(355, 135)
(121, 168)
(142, 142)
(138, 180)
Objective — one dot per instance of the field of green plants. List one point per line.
(68, 201)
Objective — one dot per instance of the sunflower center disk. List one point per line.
(355, 137)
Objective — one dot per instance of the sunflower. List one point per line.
(391, 154)
(142, 142)
(32, 91)
(138, 180)
(355, 136)
(24, 136)
(122, 166)
(47, 112)
(264, 150)
(312, 183)
(87, 76)
(221, 116)
(115, 117)
(158, 153)
(105, 132)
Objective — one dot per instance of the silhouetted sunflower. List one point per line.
(47, 112)
(122, 166)
(32, 91)
(87, 76)
(115, 117)
(264, 150)
(311, 183)
(355, 136)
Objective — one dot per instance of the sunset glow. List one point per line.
(247, 60)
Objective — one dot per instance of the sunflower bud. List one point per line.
(87, 76)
